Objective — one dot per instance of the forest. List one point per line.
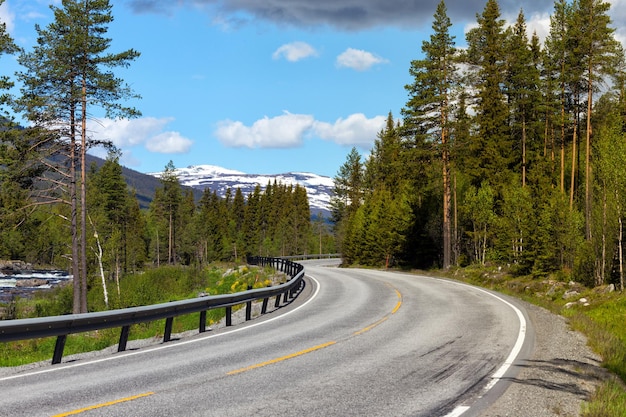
(510, 151)
(56, 210)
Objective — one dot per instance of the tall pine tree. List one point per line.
(429, 107)
(67, 76)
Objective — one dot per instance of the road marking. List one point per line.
(458, 411)
(107, 404)
(282, 358)
(370, 327)
(508, 362)
(399, 302)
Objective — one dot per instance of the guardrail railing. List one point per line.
(62, 326)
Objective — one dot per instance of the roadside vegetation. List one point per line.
(151, 287)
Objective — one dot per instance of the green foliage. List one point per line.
(505, 116)
(168, 283)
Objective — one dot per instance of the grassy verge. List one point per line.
(597, 313)
(151, 287)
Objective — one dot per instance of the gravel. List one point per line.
(562, 373)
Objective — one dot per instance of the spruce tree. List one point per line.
(491, 148)
(557, 76)
(522, 82)
(428, 107)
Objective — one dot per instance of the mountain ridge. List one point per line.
(219, 179)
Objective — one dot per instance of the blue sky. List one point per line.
(265, 87)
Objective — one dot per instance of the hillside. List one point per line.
(143, 184)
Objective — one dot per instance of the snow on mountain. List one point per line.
(319, 188)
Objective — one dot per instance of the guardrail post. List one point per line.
(249, 307)
(229, 319)
(264, 306)
(58, 349)
(202, 328)
(121, 346)
(277, 302)
(167, 335)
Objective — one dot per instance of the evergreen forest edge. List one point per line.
(510, 152)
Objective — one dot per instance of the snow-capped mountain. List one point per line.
(319, 188)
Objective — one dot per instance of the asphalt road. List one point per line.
(356, 343)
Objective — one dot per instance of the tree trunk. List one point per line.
(601, 275)
(588, 158)
(170, 249)
(523, 151)
(447, 241)
(456, 227)
(74, 213)
(573, 178)
(83, 201)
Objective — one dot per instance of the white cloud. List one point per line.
(290, 130)
(294, 51)
(7, 17)
(618, 16)
(146, 131)
(538, 23)
(283, 131)
(358, 59)
(168, 142)
(356, 129)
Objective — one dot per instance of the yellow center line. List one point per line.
(93, 407)
(282, 358)
(397, 307)
(371, 326)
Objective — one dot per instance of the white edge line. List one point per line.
(165, 346)
(458, 411)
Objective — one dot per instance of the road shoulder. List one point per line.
(562, 373)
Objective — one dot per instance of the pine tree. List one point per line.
(429, 105)
(171, 201)
(597, 50)
(67, 75)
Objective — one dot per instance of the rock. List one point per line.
(570, 294)
(20, 283)
(13, 267)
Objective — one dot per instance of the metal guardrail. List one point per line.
(62, 326)
(313, 256)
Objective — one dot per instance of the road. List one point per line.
(356, 343)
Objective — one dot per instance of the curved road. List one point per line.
(355, 343)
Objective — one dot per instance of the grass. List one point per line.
(602, 321)
(151, 287)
